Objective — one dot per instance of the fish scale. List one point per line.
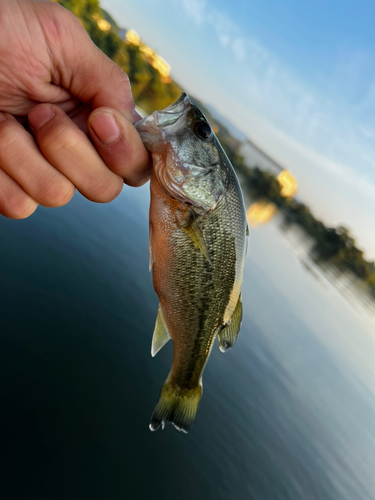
(197, 244)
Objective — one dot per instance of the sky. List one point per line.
(297, 77)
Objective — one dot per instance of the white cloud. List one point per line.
(370, 134)
(195, 9)
(319, 121)
(224, 40)
(227, 31)
(239, 49)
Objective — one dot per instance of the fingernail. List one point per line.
(40, 115)
(105, 127)
(2, 117)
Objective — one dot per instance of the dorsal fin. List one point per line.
(229, 334)
(161, 334)
(195, 234)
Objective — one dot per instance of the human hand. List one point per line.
(47, 57)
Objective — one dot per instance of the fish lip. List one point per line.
(150, 134)
(160, 120)
(144, 124)
(152, 121)
(182, 103)
(168, 118)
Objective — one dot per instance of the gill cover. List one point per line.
(186, 154)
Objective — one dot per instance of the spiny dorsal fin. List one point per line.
(229, 334)
(161, 334)
(195, 234)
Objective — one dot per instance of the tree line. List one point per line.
(333, 245)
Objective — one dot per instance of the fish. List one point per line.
(197, 246)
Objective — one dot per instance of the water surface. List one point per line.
(288, 414)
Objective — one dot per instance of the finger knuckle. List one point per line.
(17, 205)
(106, 192)
(58, 194)
(60, 138)
(9, 134)
(119, 75)
(114, 189)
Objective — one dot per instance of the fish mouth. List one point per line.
(154, 128)
(178, 106)
(166, 117)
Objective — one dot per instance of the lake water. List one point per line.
(288, 414)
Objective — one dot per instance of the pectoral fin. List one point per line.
(195, 234)
(229, 334)
(161, 334)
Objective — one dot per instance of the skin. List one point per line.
(66, 113)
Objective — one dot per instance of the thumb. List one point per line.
(83, 69)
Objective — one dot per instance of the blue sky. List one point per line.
(298, 77)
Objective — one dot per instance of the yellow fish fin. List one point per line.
(195, 234)
(176, 405)
(161, 334)
(229, 334)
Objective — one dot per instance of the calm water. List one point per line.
(289, 414)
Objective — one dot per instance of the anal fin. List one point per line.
(161, 334)
(229, 334)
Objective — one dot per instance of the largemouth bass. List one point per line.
(197, 250)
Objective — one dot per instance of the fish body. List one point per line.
(197, 250)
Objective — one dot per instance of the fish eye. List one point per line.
(202, 130)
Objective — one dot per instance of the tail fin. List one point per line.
(176, 405)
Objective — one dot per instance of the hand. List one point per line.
(54, 78)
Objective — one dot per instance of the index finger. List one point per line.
(120, 146)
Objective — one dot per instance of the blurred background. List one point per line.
(289, 413)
